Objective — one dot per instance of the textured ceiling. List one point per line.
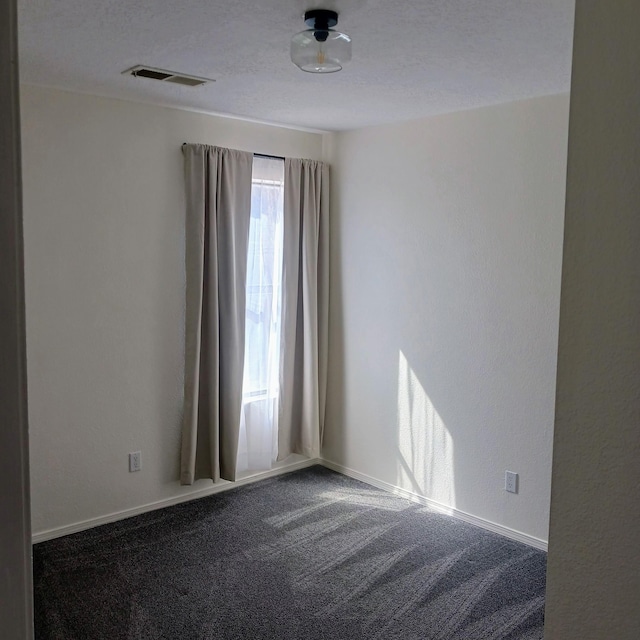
(411, 58)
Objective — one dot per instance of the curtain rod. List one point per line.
(259, 155)
(265, 155)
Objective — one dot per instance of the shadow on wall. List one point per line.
(425, 446)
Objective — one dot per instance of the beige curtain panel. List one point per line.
(305, 308)
(218, 202)
(218, 210)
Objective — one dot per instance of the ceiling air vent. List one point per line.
(140, 71)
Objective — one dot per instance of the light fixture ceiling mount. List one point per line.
(320, 49)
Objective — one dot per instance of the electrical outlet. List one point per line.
(135, 461)
(511, 482)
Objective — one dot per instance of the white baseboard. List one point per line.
(223, 485)
(440, 508)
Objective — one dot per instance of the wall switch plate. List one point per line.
(135, 461)
(511, 482)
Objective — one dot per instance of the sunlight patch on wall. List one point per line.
(425, 446)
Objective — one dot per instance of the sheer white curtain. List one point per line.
(258, 441)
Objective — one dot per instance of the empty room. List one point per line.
(330, 320)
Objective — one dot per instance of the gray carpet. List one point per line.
(308, 555)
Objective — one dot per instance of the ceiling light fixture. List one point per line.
(320, 49)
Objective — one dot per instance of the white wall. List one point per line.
(446, 260)
(104, 250)
(593, 586)
(445, 291)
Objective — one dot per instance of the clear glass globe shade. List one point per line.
(316, 55)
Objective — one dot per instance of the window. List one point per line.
(260, 390)
(264, 273)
